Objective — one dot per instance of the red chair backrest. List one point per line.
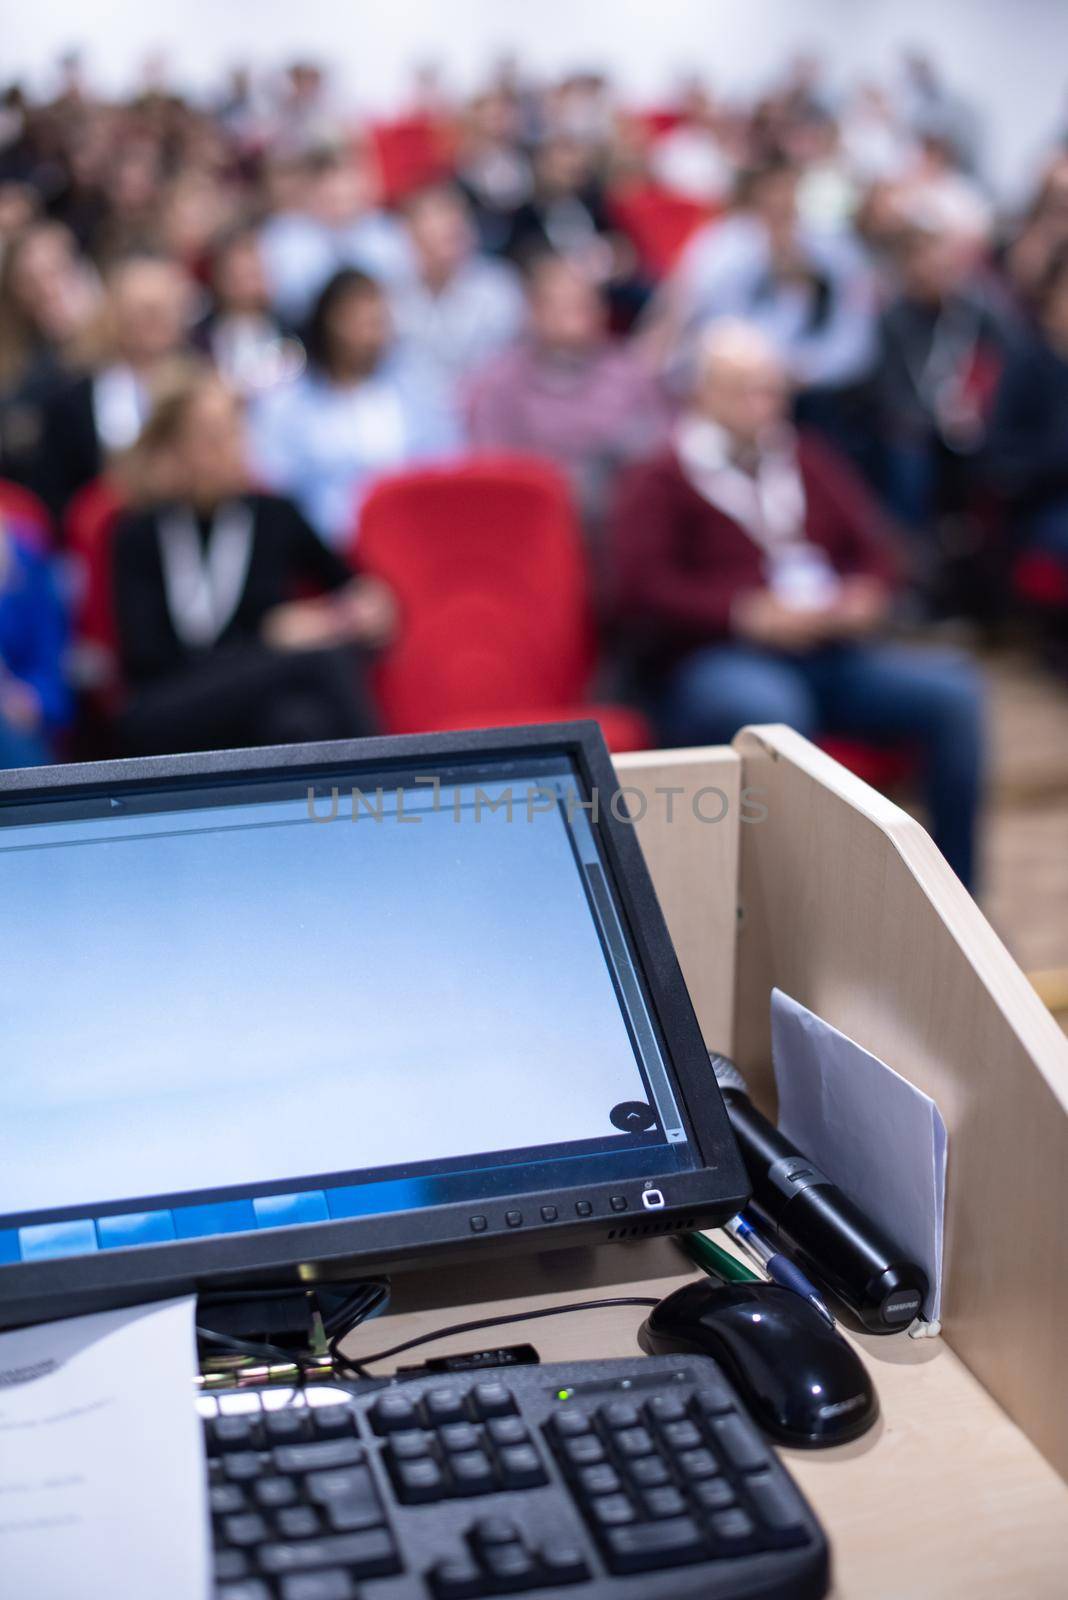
(411, 152)
(29, 514)
(487, 563)
(658, 223)
(90, 524)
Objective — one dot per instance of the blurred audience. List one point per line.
(567, 390)
(363, 407)
(218, 646)
(530, 271)
(35, 703)
(756, 574)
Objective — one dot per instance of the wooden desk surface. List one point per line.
(945, 1497)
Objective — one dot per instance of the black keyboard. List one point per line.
(635, 1480)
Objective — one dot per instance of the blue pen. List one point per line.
(779, 1268)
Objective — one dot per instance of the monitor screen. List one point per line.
(255, 1002)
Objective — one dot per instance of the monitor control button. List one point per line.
(514, 1219)
(653, 1200)
(549, 1213)
(478, 1224)
(584, 1208)
(618, 1202)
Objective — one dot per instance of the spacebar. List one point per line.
(654, 1544)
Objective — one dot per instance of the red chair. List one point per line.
(487, 564)
(31, 515)
(411, 152)
(885, 767)
(90, 523)
(658, 223)
(1040, 579)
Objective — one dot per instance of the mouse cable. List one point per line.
(357, 1368)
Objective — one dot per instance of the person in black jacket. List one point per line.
(219, 644)
(1027, 444)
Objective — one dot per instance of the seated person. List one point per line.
(1027, 444)
(99, 412)
(332, 223)
(810, 290)
(567, 391)
(363, 408)
(461, 306)
(34, 700)
(941, 342)
(754, 573)
(240, 332)
(216, 649)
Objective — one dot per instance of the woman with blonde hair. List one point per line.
(217, 646)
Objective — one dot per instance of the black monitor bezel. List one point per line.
(344, 1249)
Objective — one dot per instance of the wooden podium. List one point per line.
(775, 866)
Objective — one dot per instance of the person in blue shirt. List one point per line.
(364, 407)
(34, 698)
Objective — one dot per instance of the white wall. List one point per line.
(1010, 57)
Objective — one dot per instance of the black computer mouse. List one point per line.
(799, 1379)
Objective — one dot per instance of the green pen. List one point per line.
(714, 1260)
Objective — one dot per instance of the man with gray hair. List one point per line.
(754, 575)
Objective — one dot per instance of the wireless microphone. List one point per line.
(830, 1237)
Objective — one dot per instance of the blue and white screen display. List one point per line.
(252, 1007)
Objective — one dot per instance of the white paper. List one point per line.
(102, 1482)
(875, 1135)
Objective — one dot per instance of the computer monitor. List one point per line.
(316, 1013)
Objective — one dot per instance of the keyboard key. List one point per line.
(634, 1442)
(457, 1579)
(648, 1472)
(714, 1396)
(612, 1510)
(697, 1464)
(666, 1408)
(298, 1522)
(367, 1555)
(245, 1529)
(472, 1472)
(489, 1531)
(443, 1405)
(461, 1436)
(665, 1502)
(419, 1482)
(333, 1422)
(775, 1501)
(733, 1527)
(334, 1584)
(520, 1467)
(620, 1414)
(317, 1457)
(740, 1442)
(393, 1412)
(271, 1493)
(242, 1466)
(682, 1435)
(235, 1433)
(507, 1430)
(348, 1497)
(510, 1567)
(229, 1564)
(569, 1424)
(226, 1498)
(647, 1545)
(287, 1425)
(492, 1400)
(243, 1589)
(585, 1451)
(599, 1480)
(715, 1494)
(409, 1446)
(563, 1564)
